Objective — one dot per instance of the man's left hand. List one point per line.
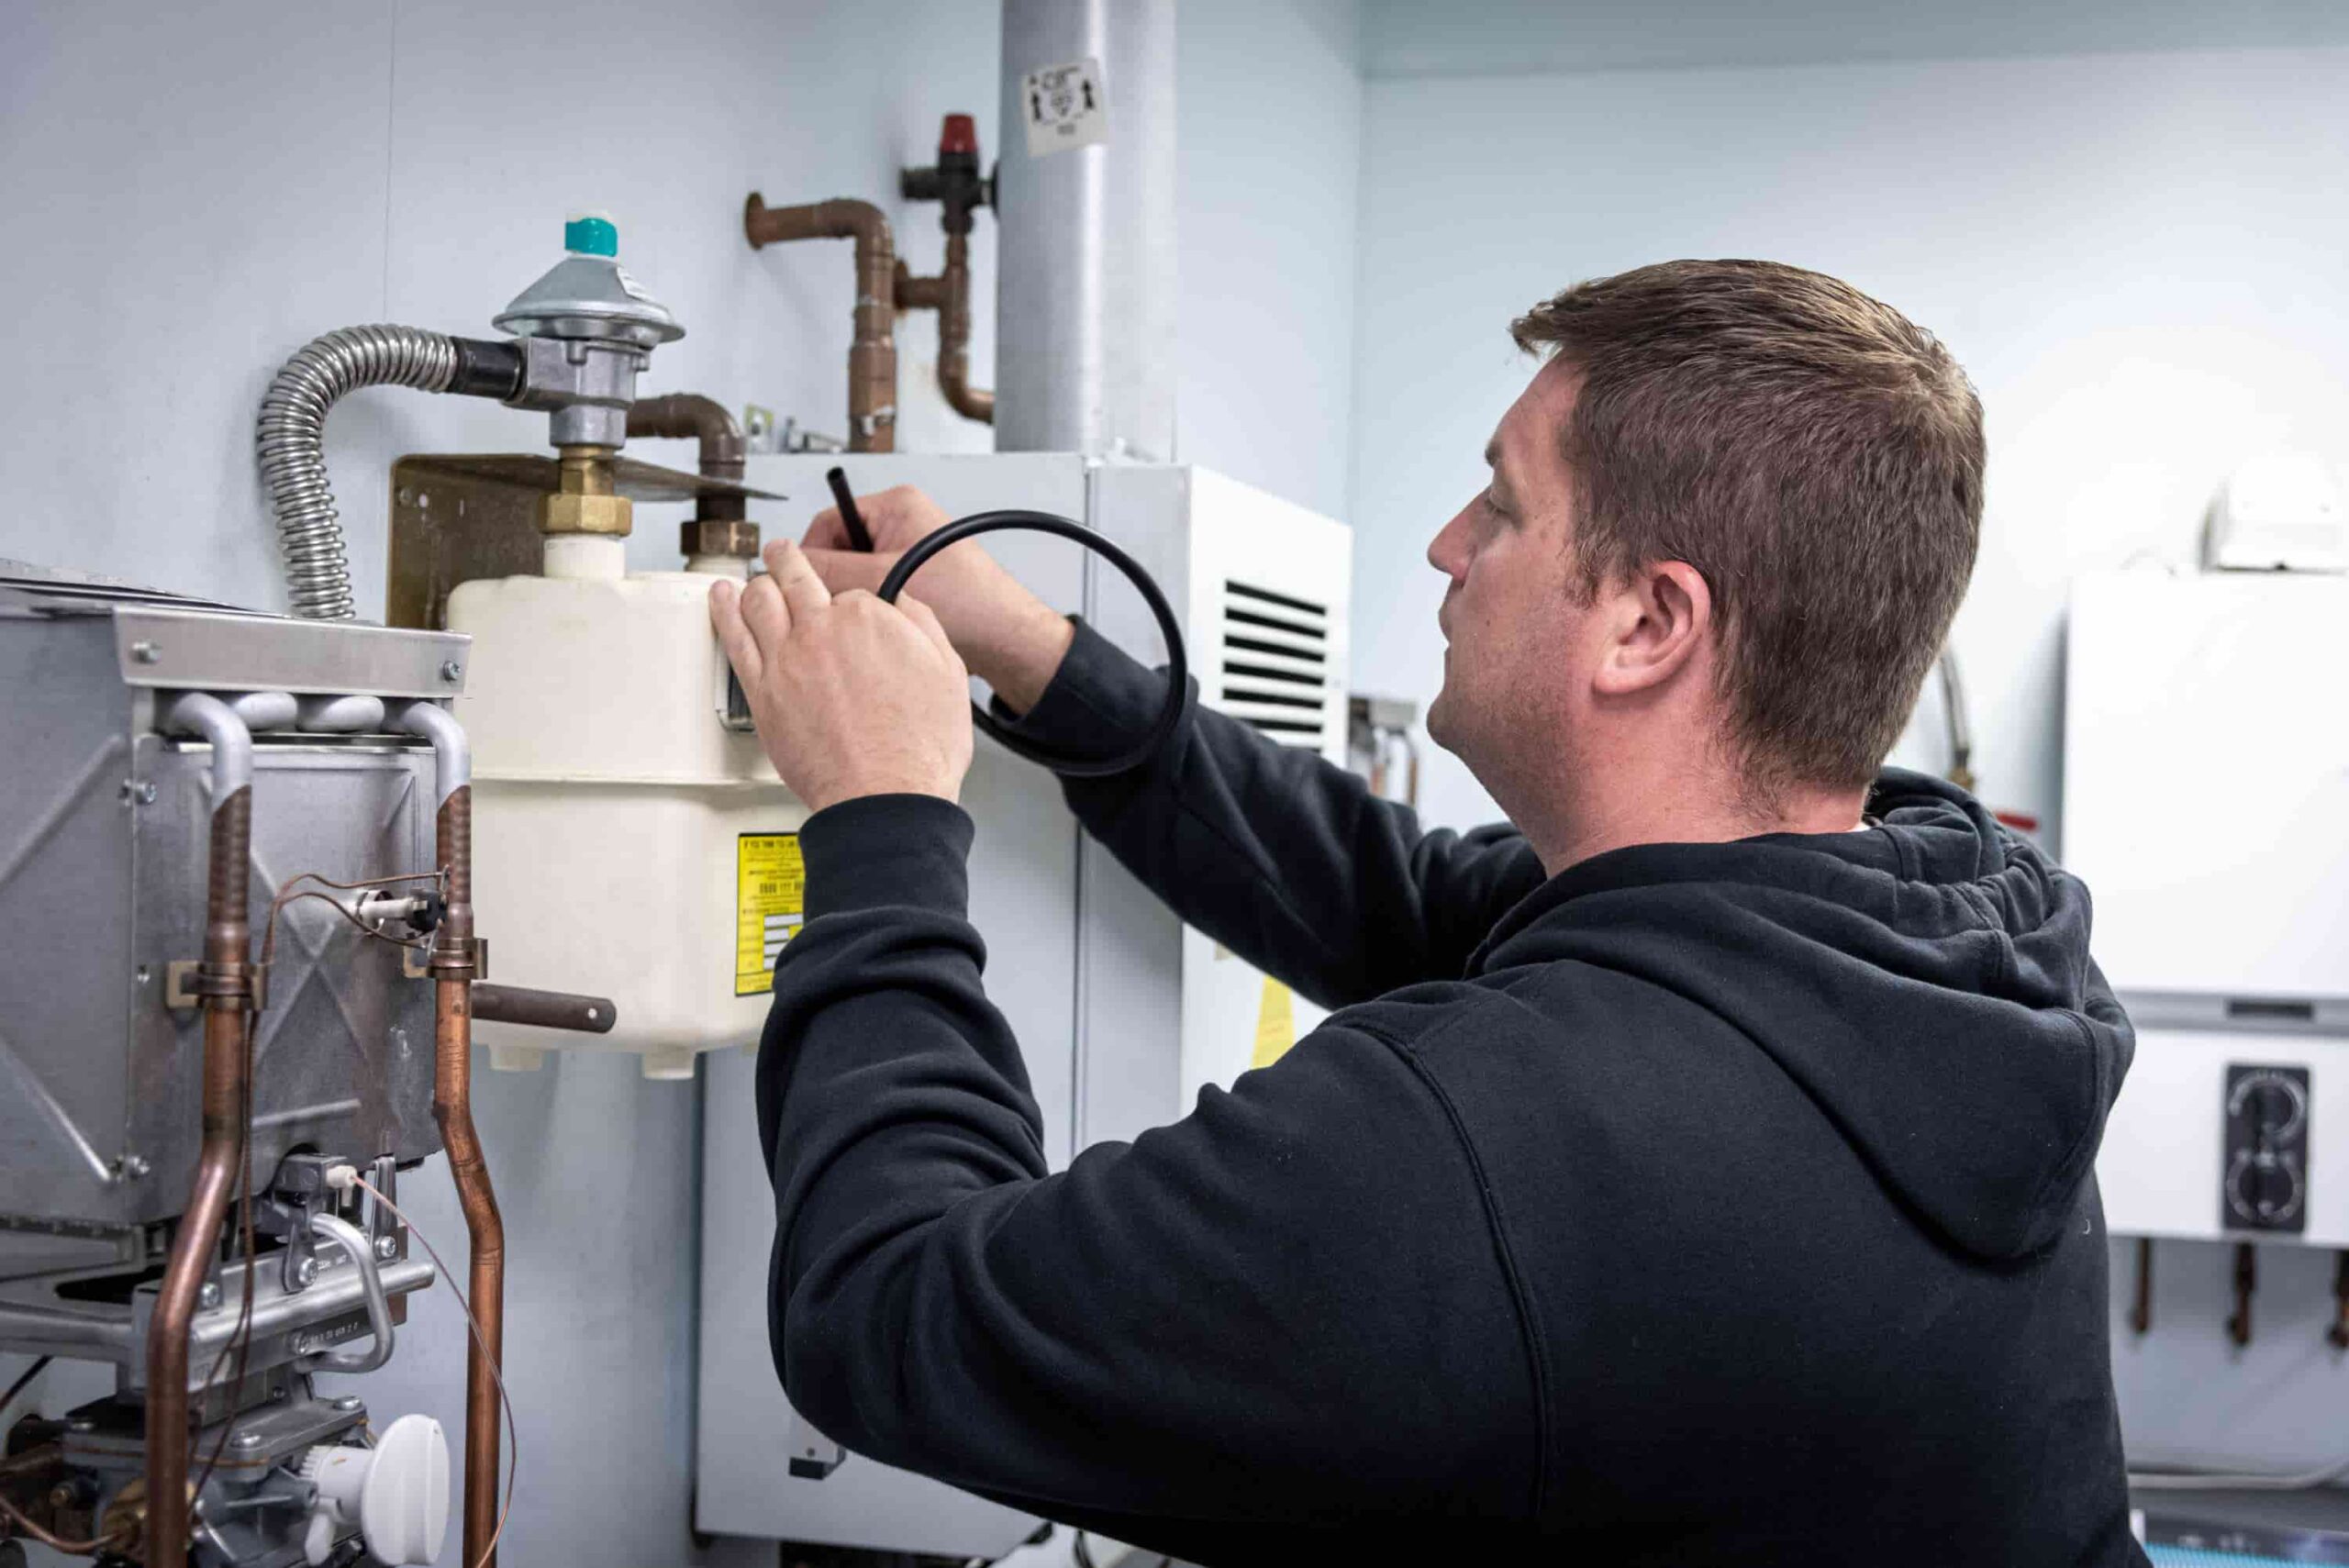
(852, 696)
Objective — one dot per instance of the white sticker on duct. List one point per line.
(1065, 107)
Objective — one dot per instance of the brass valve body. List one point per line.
(586, 501)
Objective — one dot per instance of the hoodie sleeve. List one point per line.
(1170, 1327)
(1289, 861)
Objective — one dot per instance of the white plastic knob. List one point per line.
(397, 1493)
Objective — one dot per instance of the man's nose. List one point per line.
(1443, 550)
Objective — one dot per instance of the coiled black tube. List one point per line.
(1177, 666)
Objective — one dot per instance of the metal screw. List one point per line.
(209, 1296)
(129, 1168)
(142, 974)
(245, 1439)
(145, 652)
(388, 1247)
(306, 1270)
(451, 669)
(405, 496)
(350, 1402)
(138, 792)
(81, 1424)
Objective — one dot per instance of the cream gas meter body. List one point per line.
(622, 829)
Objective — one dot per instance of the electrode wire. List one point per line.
(23, 1382)
(1170, 714)
(513, 1432)
(293, 892)
(268, 937)
(58, 1543)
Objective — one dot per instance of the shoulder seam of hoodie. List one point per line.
(2002, 941)
(1537, 1350)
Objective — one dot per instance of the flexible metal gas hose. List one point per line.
(291, 443)
(290, 439)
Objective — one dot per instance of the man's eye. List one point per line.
(1492, 505)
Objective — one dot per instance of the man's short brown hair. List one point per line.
(1814, 454)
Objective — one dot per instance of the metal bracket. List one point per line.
(185, 987)
(417, 963)
(814, 1456)
(458, 517)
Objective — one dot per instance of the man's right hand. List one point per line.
(1008, 637)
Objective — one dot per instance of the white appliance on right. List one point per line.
(2205, 805)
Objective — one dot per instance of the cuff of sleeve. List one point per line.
(1099, 699)
(883, 850)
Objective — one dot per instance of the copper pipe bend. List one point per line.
(873, 348)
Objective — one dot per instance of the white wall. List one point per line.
(1490, 37)
(2137, 257)
(193, 192)
(1269, 124)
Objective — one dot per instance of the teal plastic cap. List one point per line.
(592, 234)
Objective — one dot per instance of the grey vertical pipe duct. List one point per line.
(1084, 297)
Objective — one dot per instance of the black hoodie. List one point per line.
(1702, 1204)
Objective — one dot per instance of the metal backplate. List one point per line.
(457, 518)
(343, 1054)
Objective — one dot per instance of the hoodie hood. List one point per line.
(1926, 981)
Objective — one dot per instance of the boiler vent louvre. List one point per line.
(1275, 668)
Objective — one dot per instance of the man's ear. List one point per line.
(1662, 618)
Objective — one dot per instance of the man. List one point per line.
(1697, 1171)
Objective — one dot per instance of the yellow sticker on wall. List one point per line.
(1276, 1025)
(770, 894)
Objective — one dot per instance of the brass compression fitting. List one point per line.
(585, 500)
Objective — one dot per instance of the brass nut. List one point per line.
(562, 513)
(720, 536)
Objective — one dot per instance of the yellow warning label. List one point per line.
(770, 894)
(1276, 1025)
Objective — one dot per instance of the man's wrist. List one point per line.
(846, 790)
(1023, 663)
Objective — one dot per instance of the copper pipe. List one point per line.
(872, 351)
(949, 293)
(955, 338)
(690, 416)
(956, 184)
(224, 981)
(452, 1033)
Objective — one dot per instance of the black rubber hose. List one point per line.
(1177, 666)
